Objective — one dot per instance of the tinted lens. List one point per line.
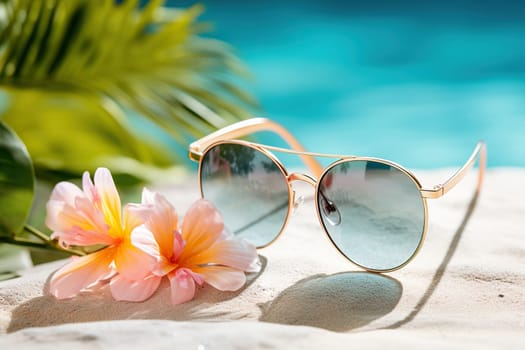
(249, 190)
(373, 212)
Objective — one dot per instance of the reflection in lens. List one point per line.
(249, 190)
(382, 213)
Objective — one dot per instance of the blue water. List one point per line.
(411, 81)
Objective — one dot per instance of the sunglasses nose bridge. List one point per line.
(301, 177)
(298, 200)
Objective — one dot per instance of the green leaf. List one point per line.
(77, 56)
(78, 132)
(16, 183)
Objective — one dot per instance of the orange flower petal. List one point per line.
(131, 262)
(238, 254)
(201, 227)
(109, 201)
(143, 239)
(82, 273)
(162, 220)
(74, 219)
(132, 218)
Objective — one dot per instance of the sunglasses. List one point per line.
(373, 211)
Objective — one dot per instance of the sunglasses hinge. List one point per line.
(194, 155)
(301, 177)
(432, 193)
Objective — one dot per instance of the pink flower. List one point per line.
(201, 252)
(92, 216)
(141, 244)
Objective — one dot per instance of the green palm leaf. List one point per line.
(70, 68)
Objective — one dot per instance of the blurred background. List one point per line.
(417, 82)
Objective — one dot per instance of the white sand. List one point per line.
(465, 289)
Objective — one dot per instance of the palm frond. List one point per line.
(148, 59)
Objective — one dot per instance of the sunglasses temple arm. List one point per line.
(480, 152)
(250, 126)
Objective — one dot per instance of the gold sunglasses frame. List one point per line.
(231, 133)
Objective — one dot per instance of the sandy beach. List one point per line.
(465, 289)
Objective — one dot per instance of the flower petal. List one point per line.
(132, 218)
(123, 289)
(81, 273)
(79, 237)
(148, 197)
(162, 220)
(238, 254)
(89, 216)
(202, 226)
(223, 278)
(109, 201)
(182, 286)
(90, 191)
(65, 192)
(143, 239)
(74, 218)
(178, 246)
(68, 207)
(131, 262)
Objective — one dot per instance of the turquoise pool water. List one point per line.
(415, 82)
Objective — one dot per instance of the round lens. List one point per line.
(248, 188)
(373, 212)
